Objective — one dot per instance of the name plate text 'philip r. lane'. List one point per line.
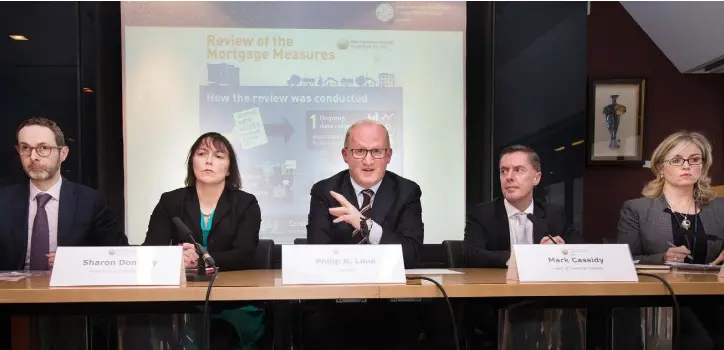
(342, 264)
(118, 266)
(574, 263)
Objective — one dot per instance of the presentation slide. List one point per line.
(283, 81)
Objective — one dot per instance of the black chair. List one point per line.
(432, 256)
(277, 257)
(300, 241)
(263, 255)
(454, 252)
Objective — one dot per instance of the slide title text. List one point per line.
(258, 49)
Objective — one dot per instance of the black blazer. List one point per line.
(234, 231)
(84, 219)
(487, 233)
(396, 208)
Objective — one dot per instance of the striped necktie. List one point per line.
(361, 235)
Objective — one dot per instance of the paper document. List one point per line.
(14, 276)
(653, 267)
(432, 272)
(701, 267)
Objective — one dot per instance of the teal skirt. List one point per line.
(248, 322)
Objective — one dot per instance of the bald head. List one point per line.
(367, 127)
(367, 152)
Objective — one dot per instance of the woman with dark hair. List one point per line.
(223, 219)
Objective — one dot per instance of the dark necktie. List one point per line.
(40, 242)
(361, 236)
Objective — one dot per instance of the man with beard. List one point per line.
(49, 211)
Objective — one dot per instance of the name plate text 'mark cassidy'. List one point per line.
(118, 266)
(342, 264)
(571, 263)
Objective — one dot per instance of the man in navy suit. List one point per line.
(366, 204)
(49, 211)
(46, 212)
(492, 228)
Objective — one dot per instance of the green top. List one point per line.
(205, 228)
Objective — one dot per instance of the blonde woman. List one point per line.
(678, 219)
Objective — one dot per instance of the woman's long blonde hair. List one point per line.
(702, 189)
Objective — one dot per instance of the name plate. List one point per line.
(342, 264)
(571, 263)
(118, 266)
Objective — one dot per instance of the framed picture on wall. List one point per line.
(616, 121)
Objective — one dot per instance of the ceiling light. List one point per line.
(577, 143)
(18, 37)
(559, 149)
(85, 89)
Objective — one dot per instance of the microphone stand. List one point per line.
(199, 275)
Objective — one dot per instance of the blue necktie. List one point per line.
(40, 242)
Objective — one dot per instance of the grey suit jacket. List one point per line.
(645, 226)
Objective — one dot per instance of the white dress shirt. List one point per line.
(513, 222)
(52, 208)
(375, 230)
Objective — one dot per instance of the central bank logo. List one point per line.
(343, 44)
(111, 252)
(564, 251)
(385, 12)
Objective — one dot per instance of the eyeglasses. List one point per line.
(362, 153)
(43, 150)
(680, 161)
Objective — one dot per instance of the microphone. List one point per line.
(536, 222)
(205, 256)
(200, 275)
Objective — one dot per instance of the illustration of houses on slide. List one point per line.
(294, 80)
(386, 80)
(365, 81)
(383, 80)
(331, 82)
